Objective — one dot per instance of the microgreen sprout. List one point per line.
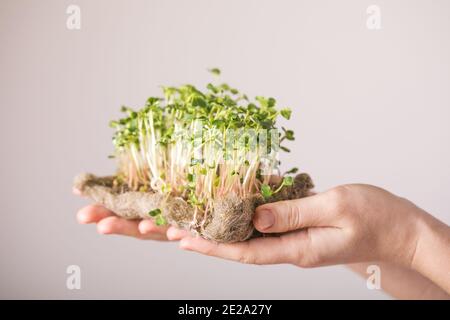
(157, 215)
(154, 213)
(292, 171)
(201, 145)
(267, 191)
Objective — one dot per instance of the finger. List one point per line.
(291, 215)
(93, 214)
(120, 226)
(268, 250)
(116, 225)
(148, 226)
(175, 234)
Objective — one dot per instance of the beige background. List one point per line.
(369, 106)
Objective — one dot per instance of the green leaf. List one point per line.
(212, 88)
(288, 181)
(262, 101)
(132, 114)
(152, 101)
(286, 113)
(289, 134)
(225, 87)
(160, 220)
(215, 71)
(271, 102)
(199, 102)
(292, 171)
(266, 191)
(154, 212)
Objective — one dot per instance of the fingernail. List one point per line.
(172, 233)
(102, 229)
(145, 227)
(264, 219)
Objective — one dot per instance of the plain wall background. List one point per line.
(369, 106)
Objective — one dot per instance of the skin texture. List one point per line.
(352, 224)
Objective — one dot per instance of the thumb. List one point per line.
(291, 215)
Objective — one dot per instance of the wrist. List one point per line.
(423, 241)
(431, 256)
(403, 236)
(422, 231)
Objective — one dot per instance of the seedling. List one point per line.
(267, 191)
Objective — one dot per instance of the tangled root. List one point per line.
(230, 219)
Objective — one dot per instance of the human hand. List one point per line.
(347, 224)
(108, 223)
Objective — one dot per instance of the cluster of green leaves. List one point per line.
(145, 138)
(221, 107)
(128, 127)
